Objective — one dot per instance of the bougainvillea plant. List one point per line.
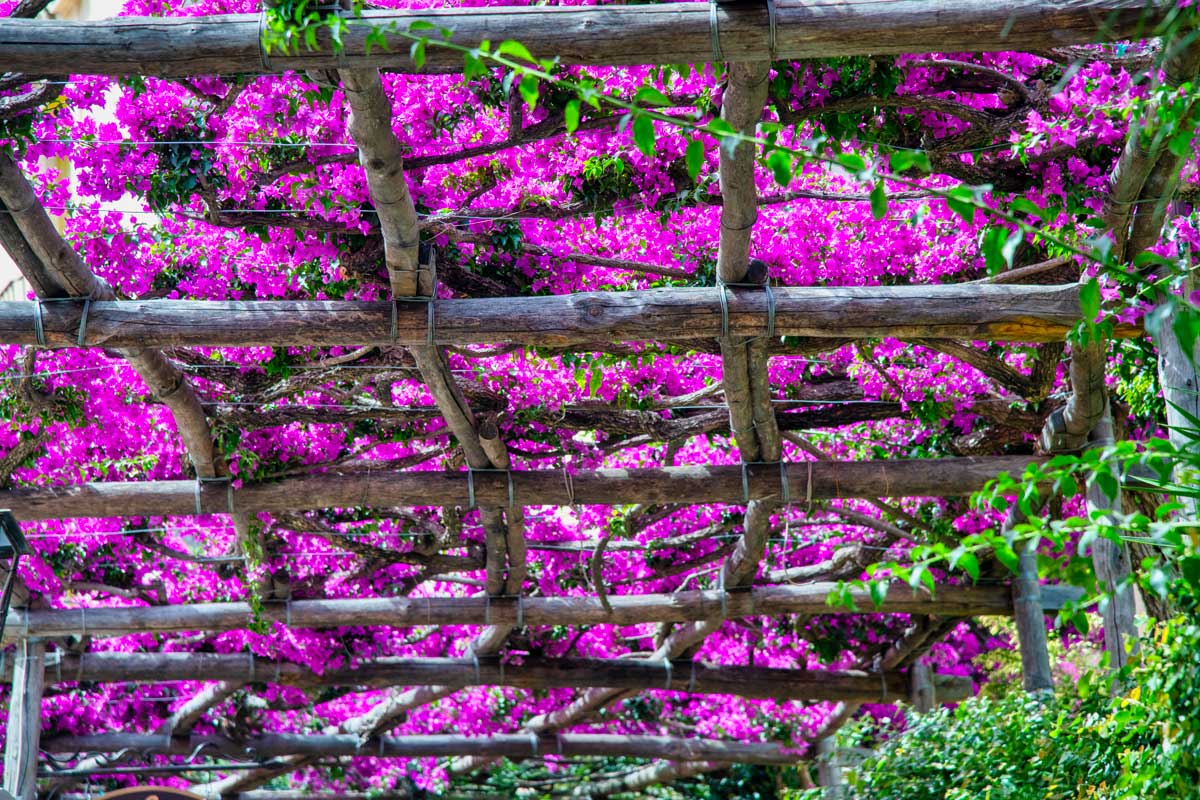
(531, 178)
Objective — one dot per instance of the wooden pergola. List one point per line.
(741, 320)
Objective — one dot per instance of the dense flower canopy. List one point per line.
(243, 187)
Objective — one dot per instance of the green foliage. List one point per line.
(290, 23)
(1085, 744)
(604, 180)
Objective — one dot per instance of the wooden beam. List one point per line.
(24, 720)
(531, 673)
(434, 746)
(942, 477)
(949, 311)
(669, 33)
(964, 601)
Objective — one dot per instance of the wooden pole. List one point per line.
(811, 598)
(666, 485)
(531, 673)
(1031, 621)
(1000, 312)
(434, 746)
(1112, 563)
(24, 720)
(669, 33)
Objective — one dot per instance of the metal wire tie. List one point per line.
(718, 56)
(808, 492)
(533, 740)
(667, 666)
(38, 330)
(487, 609)
(745, 484)
(770, 310)
(724, 595)
(520, 612)
(429, 321)
(724, 303)
(771, 29)
(475, 660)
(263, 57)
(470, 489)
(785, 484)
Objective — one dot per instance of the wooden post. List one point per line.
(923, 695)
(1031, 622)
(24, 720)
(1112, 563)
(829, 770)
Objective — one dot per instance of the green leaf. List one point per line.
(879, 201)
(643, 134)
(514, 49)
(852, 161)
(694, 158)
(878, 591)
(571, 116)
(780, 163)
(528, 88)
(1089, 300)
(417, 53)
(1190, 567)
(648, 95)
(961, 201)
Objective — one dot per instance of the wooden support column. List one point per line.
(24, 720)
(923, 695)
(1031, 622)
(1112, 564)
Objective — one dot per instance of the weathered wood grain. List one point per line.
(613, 486)
(529, 673)
(439, 745)
(980, 312)
(582, 610)
(670, 33)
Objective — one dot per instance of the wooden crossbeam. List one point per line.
(530, 673)
(942, 477)
(813, 598)
(1000, 312)
(670, 33)
(433, 746)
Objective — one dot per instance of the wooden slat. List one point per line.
(973, 312)
(577, 610)
(671, 33)
(531, 673)
(433, 746)
(613, 486)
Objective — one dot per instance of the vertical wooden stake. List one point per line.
(1031, 623)
(922, 698)
(24, 720)
(1112, 564)
(829, 770)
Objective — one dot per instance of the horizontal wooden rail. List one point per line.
(935, 477)
(530, 673)
(813, 598)
(669, 33)
(498, 746)
(1001, 312)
